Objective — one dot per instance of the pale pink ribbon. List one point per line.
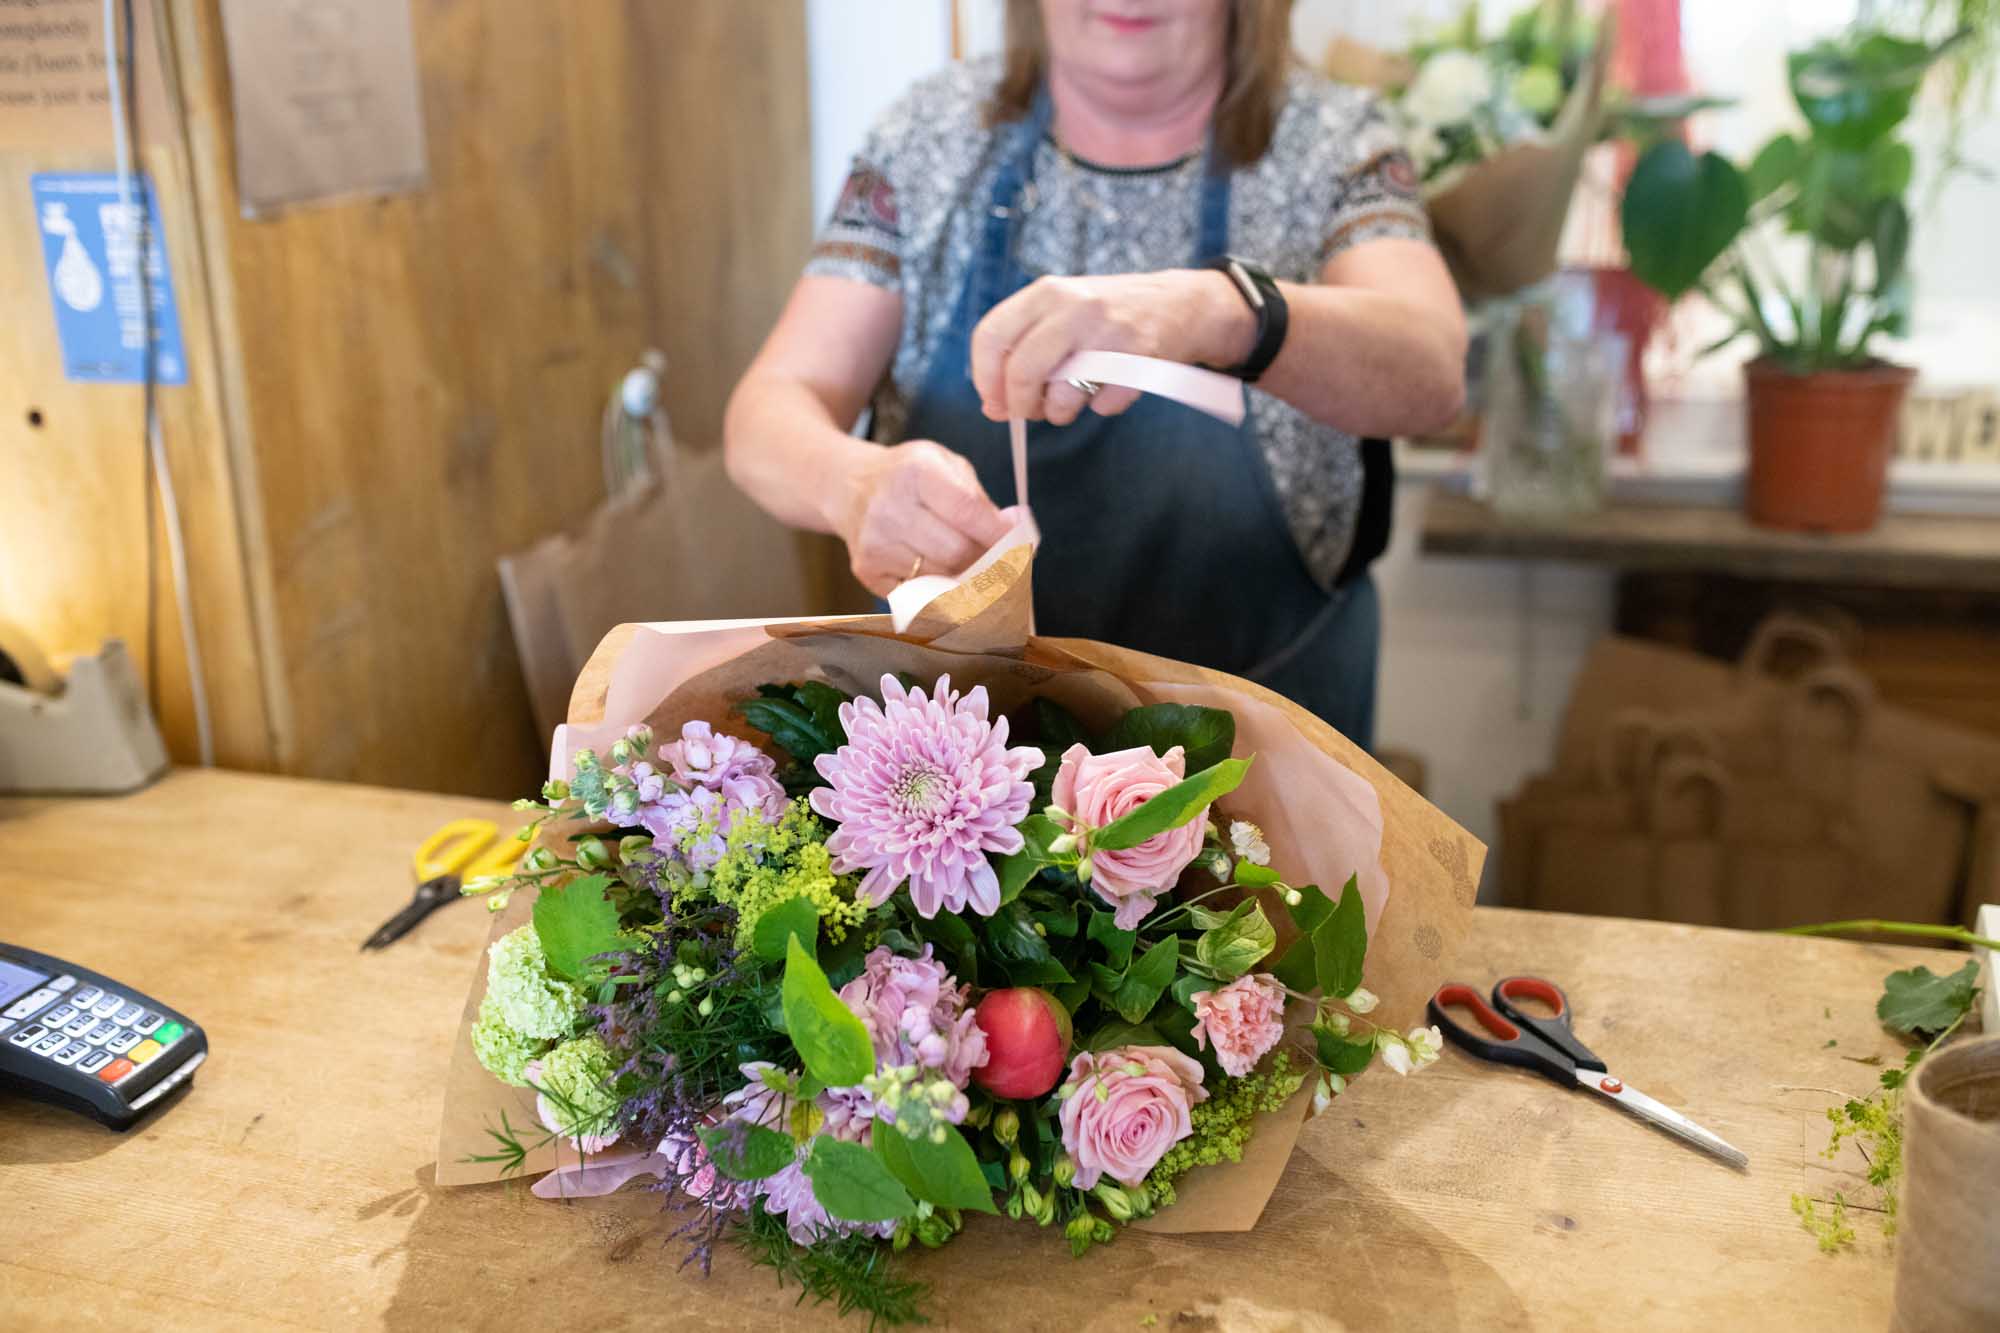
(600, 1173)
(1204, 390)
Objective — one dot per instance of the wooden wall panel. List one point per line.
(419, 378)
(73, 569)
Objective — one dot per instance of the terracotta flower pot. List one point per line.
(1820, 444)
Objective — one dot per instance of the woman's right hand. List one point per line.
(917, 499)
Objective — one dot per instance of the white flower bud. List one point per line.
(1363, 1001)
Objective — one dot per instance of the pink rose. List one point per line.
(1095, 789)
(1122, 1109)
(1244, 1019)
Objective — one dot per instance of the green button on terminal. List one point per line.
(169, 1034)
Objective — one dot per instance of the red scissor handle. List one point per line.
(1501, 1040)
(1554, 1028)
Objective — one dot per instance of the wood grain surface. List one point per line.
(1904, 551)
(291, 1187)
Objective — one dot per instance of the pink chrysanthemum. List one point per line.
(922, 791)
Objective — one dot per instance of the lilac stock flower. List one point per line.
(922, 791)
(916, 1015)
(715, 778)
(789, 1192)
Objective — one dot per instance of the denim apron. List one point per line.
(1161, 528)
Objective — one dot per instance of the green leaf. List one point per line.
(827, 1035)
(1121, 1033)
(946, 1175)
(852, 1183)
(1073, 993)
(1037, 832)
(1118, 944)
(1186, 987)
(576, 923)
(1140, 988)
(1314, 907)
(1917, 1001)
(1855, 92)
(791, 727)
(1340, 1055)
(1177, 805)
(1239, 943)
(1681, 213)
(1340, 944)
(1022, 953)
(743, 1151)
(1059, 731)
(954, 941)
(1204, 919)
(1206, 734)
(1777, 164)
(1255, 876)
(1891, 242)
(1059, 921)
(792, 917)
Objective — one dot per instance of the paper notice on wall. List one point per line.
(325, 98)
(107, 307)
(54, 89)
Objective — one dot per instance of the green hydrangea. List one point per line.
(1222, 1124)
(577, 1077)
(500, 1047)
(766, 864)
(523, 993)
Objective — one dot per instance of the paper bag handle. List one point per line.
(1828, 642)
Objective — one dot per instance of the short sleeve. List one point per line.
(862, 239)
(1379, 196)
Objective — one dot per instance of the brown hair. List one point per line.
(1259, 49)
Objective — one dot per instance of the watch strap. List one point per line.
(1260, 292)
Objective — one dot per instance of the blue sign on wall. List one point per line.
(90, 248)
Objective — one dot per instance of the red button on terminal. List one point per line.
(116, 1070)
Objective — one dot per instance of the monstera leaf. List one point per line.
(1681, 213)
(1855, 92)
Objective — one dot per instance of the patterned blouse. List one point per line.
(909, 218)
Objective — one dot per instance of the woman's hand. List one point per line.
(1178, 315)
(911, 500)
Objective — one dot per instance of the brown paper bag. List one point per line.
(1948, 1226)
(636, 558)
(1328, 810)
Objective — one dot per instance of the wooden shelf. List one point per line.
(1904, 551)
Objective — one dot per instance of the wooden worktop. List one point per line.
(291, 1187)
(1904, 551)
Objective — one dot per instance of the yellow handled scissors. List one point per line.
(461, 850)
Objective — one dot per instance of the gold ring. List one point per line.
(916, 567)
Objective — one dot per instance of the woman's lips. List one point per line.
(1120, 23)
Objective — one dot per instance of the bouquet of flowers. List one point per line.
(1497, 128)
(840, 948)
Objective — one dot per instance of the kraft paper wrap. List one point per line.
(1948, 1225)
(1499, 222)
(1327, 810)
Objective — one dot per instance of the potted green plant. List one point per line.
(1823, 407)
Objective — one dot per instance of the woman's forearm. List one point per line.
(784, 448)
(1366, 362)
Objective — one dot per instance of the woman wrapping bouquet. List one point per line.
(1144, 176)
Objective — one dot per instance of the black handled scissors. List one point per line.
(1548, 1045)
(458, 851)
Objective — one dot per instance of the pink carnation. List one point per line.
(1244, 1019)
(1094, 789)
(922, 791)
(1122, 1109)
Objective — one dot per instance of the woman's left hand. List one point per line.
(1185, 315)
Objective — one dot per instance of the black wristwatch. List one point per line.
(1260, 292)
